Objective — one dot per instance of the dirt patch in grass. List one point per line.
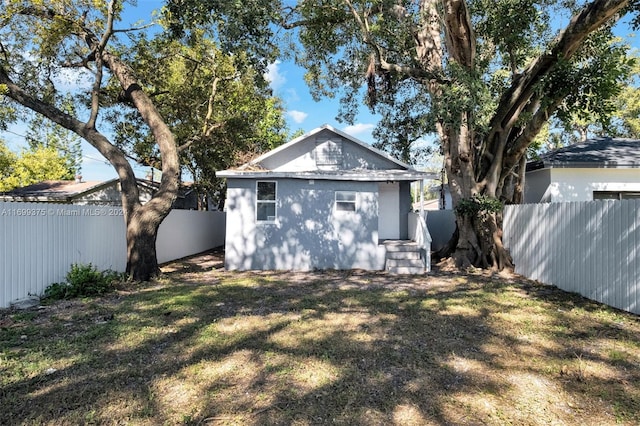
(205, 346)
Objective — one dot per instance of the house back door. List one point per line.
(389, 211)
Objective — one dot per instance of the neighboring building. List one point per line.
(105, 193)
(601, 168)
(322, 201)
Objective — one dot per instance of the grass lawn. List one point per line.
(204, 346)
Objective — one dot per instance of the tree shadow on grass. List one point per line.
(316, 348)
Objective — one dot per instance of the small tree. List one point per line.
(31, 166)
(218, 106)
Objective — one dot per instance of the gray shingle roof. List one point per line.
(56, 189)
(597, 152)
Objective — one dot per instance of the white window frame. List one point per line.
(270, 219)
(345, 201)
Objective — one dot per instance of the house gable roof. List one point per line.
(276, 164)
(593, 153)
(316, 131)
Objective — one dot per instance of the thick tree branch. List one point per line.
(95, 138)
(460, 39)
(428, 42)
(518, 146)
(565, 45)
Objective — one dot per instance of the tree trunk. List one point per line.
(142, 230)
(479, 242)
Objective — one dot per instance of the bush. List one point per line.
(478, 205)
(83, 280)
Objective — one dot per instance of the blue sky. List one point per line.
(287, 81)
(302, 112)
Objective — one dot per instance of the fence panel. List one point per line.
(39, 242)
(586, 247)
(186, 232)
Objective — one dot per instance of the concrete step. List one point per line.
(405, 266)
(404, 262)
(406, 270)
(401, 246)
(403, 254)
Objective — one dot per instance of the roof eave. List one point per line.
(579, 165)
(380, 176)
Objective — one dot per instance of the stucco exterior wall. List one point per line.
(578, 184)
(307, 233)
(109, 195)
(536, 186)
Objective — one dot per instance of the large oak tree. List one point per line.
(38, 40)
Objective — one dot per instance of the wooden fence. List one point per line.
(39, 242)
(591, 248)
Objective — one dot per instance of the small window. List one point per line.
(615, 195)
(266, 201)
(345, 201)
(629, 195)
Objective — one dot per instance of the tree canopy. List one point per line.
(218, 106)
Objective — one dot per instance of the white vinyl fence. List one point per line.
(39, 242)
(591, 248)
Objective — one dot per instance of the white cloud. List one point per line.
(297, 116)
(273, 75)
(359, 128)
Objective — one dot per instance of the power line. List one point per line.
(14, 133)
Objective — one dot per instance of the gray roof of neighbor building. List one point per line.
(597, 152)
(67, 190)
(54, 190)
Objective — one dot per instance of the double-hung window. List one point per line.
(346, 201)
(266, 201)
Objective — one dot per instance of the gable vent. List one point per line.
(328, 153)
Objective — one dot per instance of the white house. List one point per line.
(324, 200)
(600, 168)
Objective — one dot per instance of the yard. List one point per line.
(204, 346)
